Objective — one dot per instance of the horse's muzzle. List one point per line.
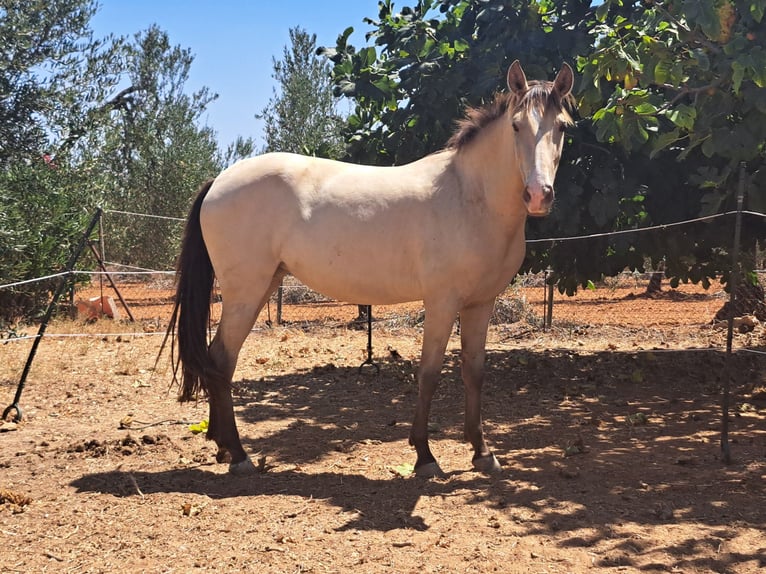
(538, 201)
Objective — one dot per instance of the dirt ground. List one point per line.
(607, 425)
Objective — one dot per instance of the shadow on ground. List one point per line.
(589, 442)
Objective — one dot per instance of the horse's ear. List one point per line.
(517, 81)
(564, 81)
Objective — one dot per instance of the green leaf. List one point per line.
(645, 108)
(757, 8)
(683, 116)
(602, 11)
(662, 71)
(701, 59)
(738, 74)
(404, 470)
(663, 141)
(367, 57)
(199, 427)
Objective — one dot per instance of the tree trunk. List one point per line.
(748, 300)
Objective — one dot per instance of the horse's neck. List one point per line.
(489, 168)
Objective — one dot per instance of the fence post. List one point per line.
(280, 291)
(727, 374)
(547, 302)
(549, 312)
(368, 360)
(48, 314)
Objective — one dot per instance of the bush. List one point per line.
(43, 214)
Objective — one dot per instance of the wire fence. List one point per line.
(137, 296)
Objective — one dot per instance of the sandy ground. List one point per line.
(608, 427)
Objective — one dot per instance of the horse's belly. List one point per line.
(356, 280)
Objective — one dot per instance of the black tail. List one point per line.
(191, 312)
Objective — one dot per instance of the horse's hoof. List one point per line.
(429, 470)
(242, 468)
(487, 464)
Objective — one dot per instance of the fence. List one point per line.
(139, 290)
(143, 289)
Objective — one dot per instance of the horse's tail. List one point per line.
(191, 312)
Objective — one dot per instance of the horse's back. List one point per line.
(352, 232)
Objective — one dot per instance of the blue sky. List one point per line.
(233, 42)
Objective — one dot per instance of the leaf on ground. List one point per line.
(572, 450)
(14, 498)
(199, 427)
(637, 419)
(576, 447)
(404, 470)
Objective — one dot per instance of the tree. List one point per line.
(301, 116)
(683, 84)
(644, 81)
(49, 62)
(87, 122)
(49, 59)
(151, 155)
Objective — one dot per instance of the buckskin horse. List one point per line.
(447, 229)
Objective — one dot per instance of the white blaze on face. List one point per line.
(540, 142)
(539, 137)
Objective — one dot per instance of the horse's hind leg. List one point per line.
(474, 322)
(238, 315)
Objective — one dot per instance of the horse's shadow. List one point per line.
(540, 399)
(372, 504)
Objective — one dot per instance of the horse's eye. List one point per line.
(515, 126)
(562, 127)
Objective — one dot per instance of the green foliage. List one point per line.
(49, 59)
(683, 84)
(150, 155)
(42, 217)
(670, 95)
(84, 123)
(432, 60)
(52, 75)
(301, 116)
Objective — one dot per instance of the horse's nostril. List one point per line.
(527, 195)
(547, 191)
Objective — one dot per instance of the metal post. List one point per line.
(47, 317)
(727, 374)
(549, 315)
(368, 360)
(545, 300)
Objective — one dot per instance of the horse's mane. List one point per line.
(540, 95)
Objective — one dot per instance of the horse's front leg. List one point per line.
(474, 322)
(436, 332)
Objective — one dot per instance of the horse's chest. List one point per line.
(495, 270)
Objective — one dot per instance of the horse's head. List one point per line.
(539, 118)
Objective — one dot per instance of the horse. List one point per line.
(447, 229)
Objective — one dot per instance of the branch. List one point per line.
(120, 99)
